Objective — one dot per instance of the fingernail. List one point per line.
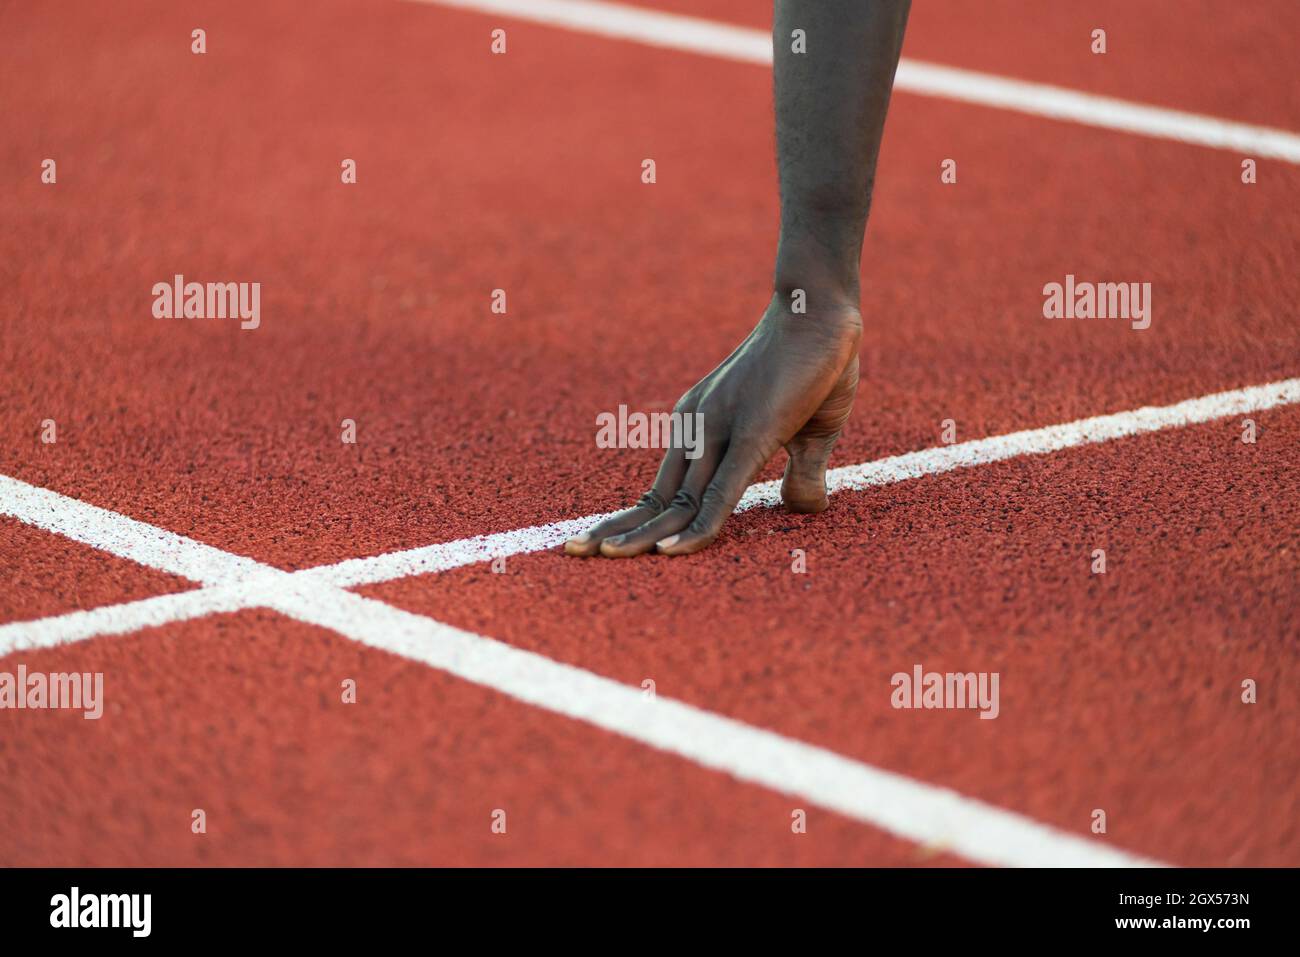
(617, 540)
(668, 542)
(582, 539)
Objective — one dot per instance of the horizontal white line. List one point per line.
(122, 618)
(1053, 438)
(620, 21)
(1088, 109)
(898, 468)
(428, 559)
(744, 44)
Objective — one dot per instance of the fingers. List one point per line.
(671, 469)
(803, 487)
(695, 515)
(588, 543)
(710, 489)
(678, 515)
(738, 468)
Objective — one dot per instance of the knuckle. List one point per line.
(754, 443)
(652, 501)
(703, 529)
(686, 501)
(715, 500)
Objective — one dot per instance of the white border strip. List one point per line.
(746, 45)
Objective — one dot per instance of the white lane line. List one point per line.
(427, 559)
(123, 618)
(124, 537)
(1054, 438)
(744, 44)
(447, 555)
(234, 580)
(911, 809)
(930, 815)
(897, 468)
(1089, 109)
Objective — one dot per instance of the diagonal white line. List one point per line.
(448, 555)
(905, 807)
(427, 559)
(124, 537)
(747, 45)
(920, 812)
(897, 468)
(924, 813)
(122, 618)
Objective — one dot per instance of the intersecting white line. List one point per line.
(932, 816)
(747, 45)
(41, 508)
(927, 814)
(914, 810)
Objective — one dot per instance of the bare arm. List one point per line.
(793, 380)
(830, 113)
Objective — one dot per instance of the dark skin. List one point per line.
(792, 381)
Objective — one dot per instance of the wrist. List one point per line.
(824, 278)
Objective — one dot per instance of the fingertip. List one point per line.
(583, 546)
(683, 544)
(615, 547)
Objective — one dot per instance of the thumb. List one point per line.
(803, 487)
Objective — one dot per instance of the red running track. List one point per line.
(478, 172)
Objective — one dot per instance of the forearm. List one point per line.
(830, 114)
